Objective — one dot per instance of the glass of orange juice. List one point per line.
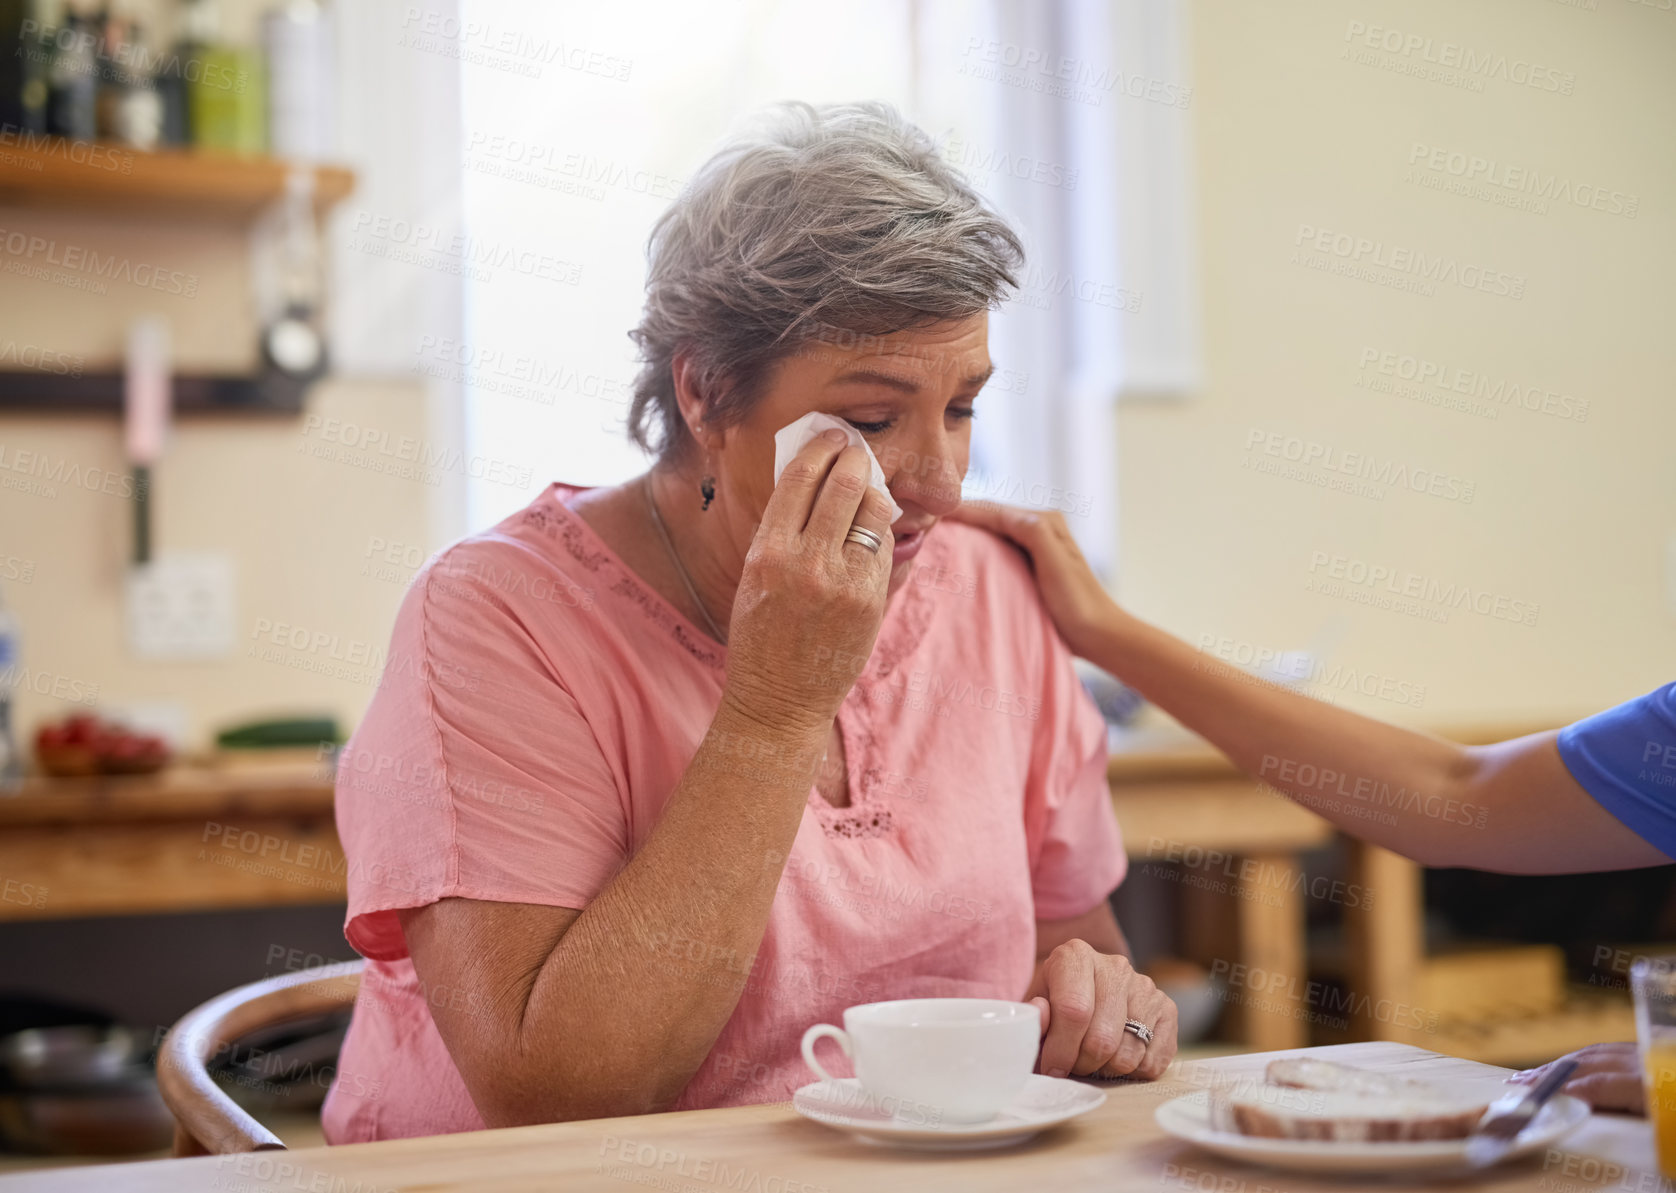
(1653, 981)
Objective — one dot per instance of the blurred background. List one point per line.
(1344, 345)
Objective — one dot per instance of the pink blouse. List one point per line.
(538, 705)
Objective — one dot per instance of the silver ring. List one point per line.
(1139, 1030)
(864, 537)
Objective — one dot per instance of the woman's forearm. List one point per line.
(630, 1000)
(611, 1009)
(1398, 788)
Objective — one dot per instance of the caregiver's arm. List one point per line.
(551, 1014)
(1510, 807)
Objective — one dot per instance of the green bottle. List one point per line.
(228, 101)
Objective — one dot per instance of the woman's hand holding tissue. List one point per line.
(810, 602)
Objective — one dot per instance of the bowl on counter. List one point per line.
(84, 744)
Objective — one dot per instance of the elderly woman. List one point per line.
(660, 774)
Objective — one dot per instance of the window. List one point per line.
(565, 173)
(576, 165)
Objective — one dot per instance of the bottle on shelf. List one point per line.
(73, 79)
(33, 57)
(296, 43)
(108, 73)
(16, 48)
(130, 110)
(226, 93)
(183, 61)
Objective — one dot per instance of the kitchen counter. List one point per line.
(225, 832)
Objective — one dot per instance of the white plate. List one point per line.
(1043, 1102)
(1188, 1118)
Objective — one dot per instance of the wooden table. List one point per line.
(1180, 801)
(237, 832)
(1177, 799)
(770, 1149)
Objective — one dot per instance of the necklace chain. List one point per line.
(680, 568)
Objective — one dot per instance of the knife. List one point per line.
(1503, 1121)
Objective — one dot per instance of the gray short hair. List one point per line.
(840, 218)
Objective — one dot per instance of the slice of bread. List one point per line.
(1304, 1098)
(1304, 1072)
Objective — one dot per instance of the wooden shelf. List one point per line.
(51, 172)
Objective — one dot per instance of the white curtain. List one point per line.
(1070, 116)
(397, 119)
(573, 165)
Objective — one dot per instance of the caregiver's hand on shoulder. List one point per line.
(1608, 1077)
(1079, 605)
(1085, 997)
(809, 603)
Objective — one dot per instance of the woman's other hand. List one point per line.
(1608, 1077)
(1085, 997)
(1079, 605)
(809, 603)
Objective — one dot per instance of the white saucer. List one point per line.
(1043, 1102)
(1188, 1118)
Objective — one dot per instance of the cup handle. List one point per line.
(815, 1034)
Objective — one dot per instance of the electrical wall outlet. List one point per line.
(181, 607)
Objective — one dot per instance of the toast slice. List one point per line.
(1304, 1072)
(1304, 1098)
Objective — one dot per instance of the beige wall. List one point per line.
(297, 526)
(1575, 517)
(297, 523)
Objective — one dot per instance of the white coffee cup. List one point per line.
(933, 1060)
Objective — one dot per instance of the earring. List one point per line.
(707, 486)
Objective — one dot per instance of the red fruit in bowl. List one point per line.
(133, 753)
(85, 745)
(81, 729)
(61, 750)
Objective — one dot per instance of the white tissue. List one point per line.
(791, 439)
